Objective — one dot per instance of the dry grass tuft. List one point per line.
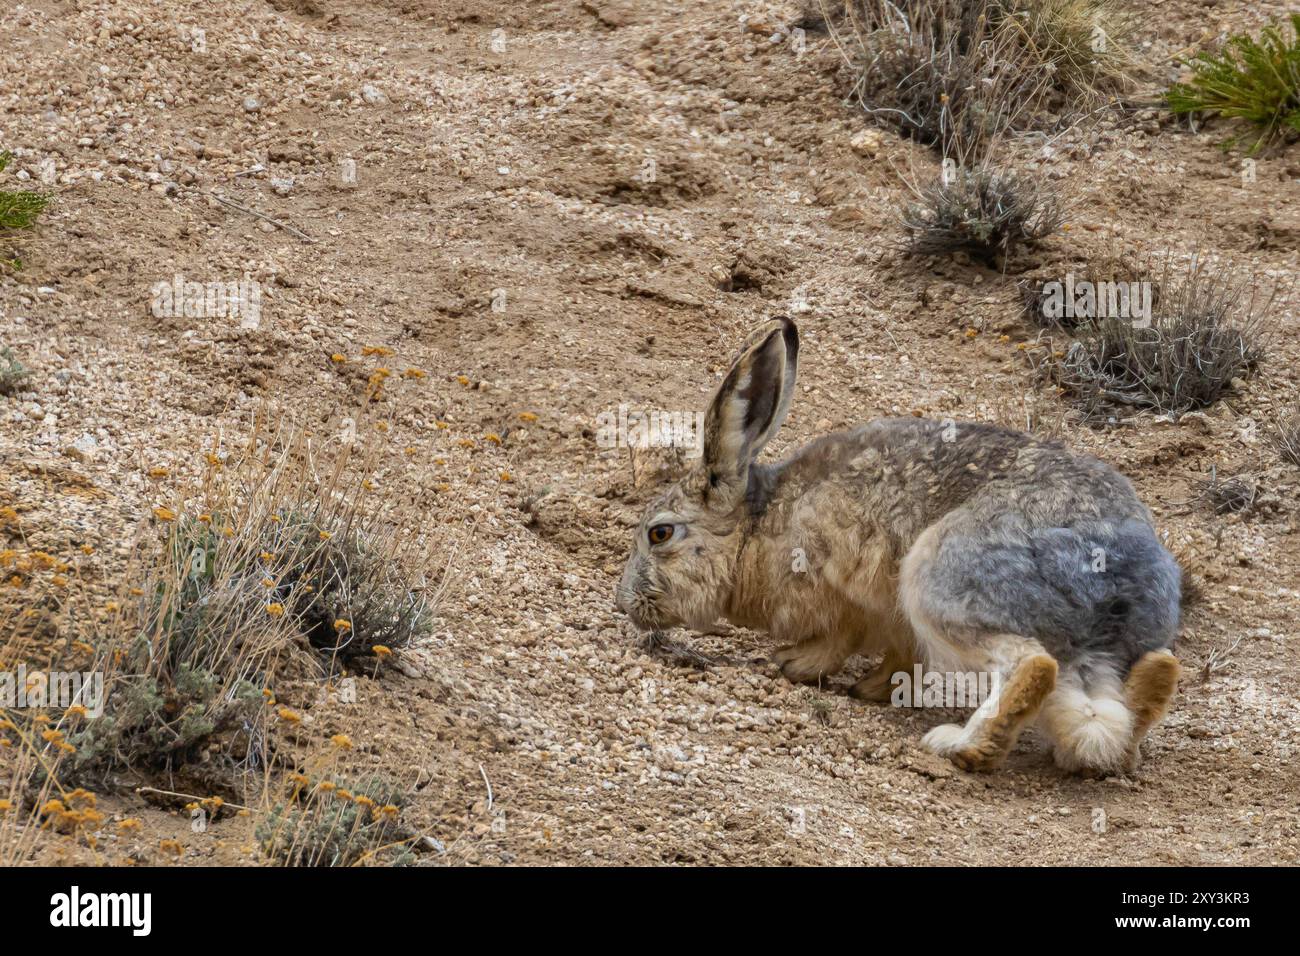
(1191, 588)
(1228, 495)
(938, 72)
(1206, 332)
(962, 74)
(1287, 438)
(1042, 297)
(1086, 45)
(983, 212)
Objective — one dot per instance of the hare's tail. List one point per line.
(1097, 718)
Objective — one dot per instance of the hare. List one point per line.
(964, 547)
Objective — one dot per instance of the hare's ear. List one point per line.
(750, 404)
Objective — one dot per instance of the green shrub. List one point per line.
(1254, 80)
(18, 210)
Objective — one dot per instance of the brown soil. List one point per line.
(503, 231)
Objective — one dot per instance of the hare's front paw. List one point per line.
(879, 684)
(811, 660)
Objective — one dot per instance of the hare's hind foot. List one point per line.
(878, 685)
(986, 739)
(1148, 691)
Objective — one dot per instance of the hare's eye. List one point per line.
(660, 533)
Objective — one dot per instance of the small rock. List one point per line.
(866, 143)
(83, 449)
(1197, 420)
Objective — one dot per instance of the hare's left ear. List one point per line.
(751, 403)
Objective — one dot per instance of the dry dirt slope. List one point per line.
(501, 153)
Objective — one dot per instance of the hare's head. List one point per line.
(682, 566)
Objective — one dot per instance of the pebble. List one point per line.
(83, 449)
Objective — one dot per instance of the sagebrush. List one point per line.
(277, 555)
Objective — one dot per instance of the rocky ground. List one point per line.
(556, 208)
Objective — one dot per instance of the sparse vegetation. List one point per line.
(359, 603)
(820, 708)
(1086, 45)
(192, 657)
(1229, 495)
(960, 75)
(18, 210)
(984, 212)
(963, 77)
(1112, 282)
(12, 372)
(939, 72)
(1205, 333)
(1257, 80)
(271, 570)
(332, 822)
(269, 563)
(1287, 438)
(34, 738)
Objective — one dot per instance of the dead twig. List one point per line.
(265, 218)
(187, 797)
